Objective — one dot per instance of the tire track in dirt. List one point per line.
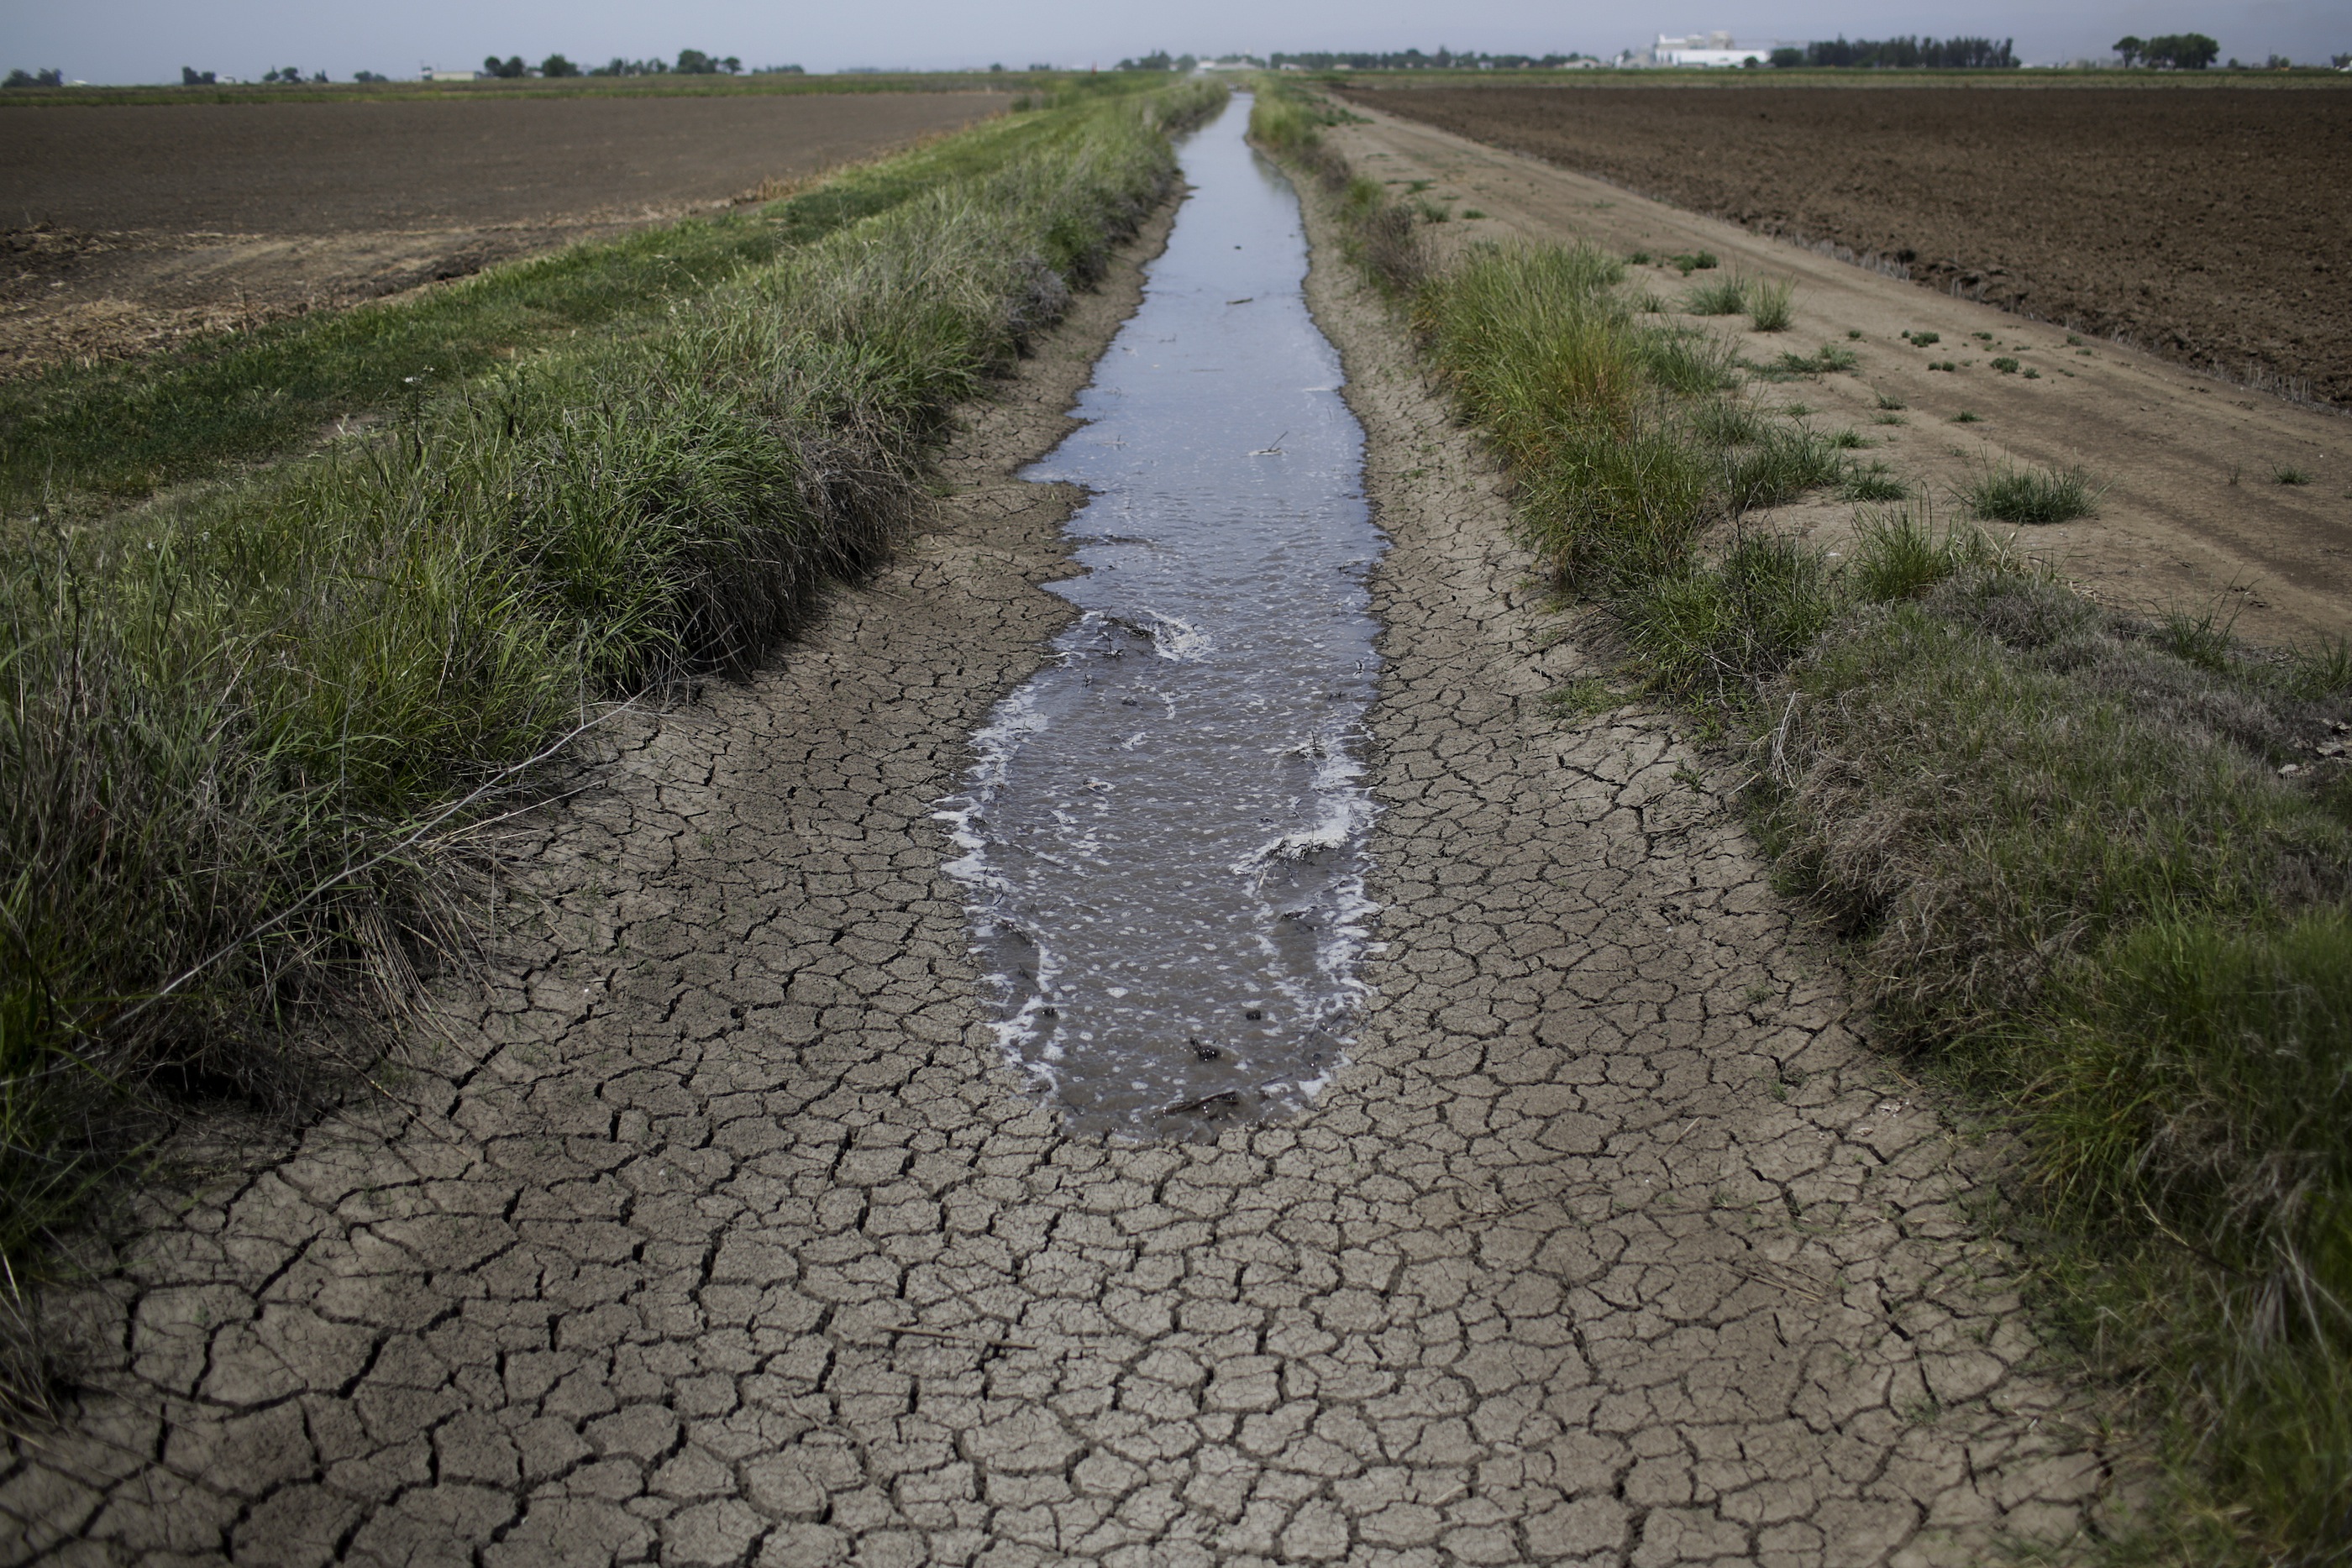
(716, 1235)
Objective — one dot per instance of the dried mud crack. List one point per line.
(717, 1233)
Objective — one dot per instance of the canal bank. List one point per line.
(719, 1231)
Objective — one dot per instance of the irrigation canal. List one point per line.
(1164, 835)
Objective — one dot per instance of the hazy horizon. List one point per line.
(132, 41)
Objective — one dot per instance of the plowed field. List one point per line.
(127, 228)
(2210, 224)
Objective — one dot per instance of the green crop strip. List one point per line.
(112, 432)
(249, 731)
(2087, 866)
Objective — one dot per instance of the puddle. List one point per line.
(1163, 840)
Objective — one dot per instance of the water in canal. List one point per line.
(1163, 840)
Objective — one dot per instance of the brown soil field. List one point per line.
(2192, 512)
(2211, 226)
(130, 226)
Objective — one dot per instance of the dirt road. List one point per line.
(2207, 224)
(122, 229)
(2192, 514)
(718, 1233)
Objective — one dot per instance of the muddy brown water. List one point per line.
(1163, 838)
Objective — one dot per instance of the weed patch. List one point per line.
(1872, 484)
(1722, 297)
(1772, 305)
(2014, 493)
(1826, 361)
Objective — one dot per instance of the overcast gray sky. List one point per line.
(149, 40)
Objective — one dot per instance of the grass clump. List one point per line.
(1772, 305)
(1689, 262)
(2286, 474)
(249, 735)
(1826, 361)
(2014, 493)
(1722, 297)
(1872, 483)
(1785, 464)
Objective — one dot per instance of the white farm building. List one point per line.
(1707, 49)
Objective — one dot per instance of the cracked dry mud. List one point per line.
(717, 1233)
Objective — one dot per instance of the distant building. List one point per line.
(435, 73)
(1705, 49)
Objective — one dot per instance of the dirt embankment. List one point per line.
(123, 229)
(2212, 225)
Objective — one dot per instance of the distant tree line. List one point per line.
(1414, 60)
(690, 62)
(49, 77)
(2170, 51)
(1905, 54)
(1157, 60)
(278, 75)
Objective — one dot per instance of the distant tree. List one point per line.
(1906, 53)
(2182, 51)
(191, 76)
(2341, 62)
(998, 66)
(732, 65)
(319, 76)
(1157, 60)
(2131, 47)
(369, 75)
(556, 66)
(695, 63)
(2277, 63)
(1406, 60)
(49, 77)
(1785, 56)
(289, 75)
(779, 71)
(511, 68)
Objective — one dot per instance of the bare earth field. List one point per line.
(2209, 225)
(122, 229)
(2191, 515)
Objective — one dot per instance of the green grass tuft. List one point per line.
(1872, 484)
(1772, 305)
(1781, 466)
(1723, 297)
(2015, 494)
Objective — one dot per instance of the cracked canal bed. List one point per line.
(1163, 838)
